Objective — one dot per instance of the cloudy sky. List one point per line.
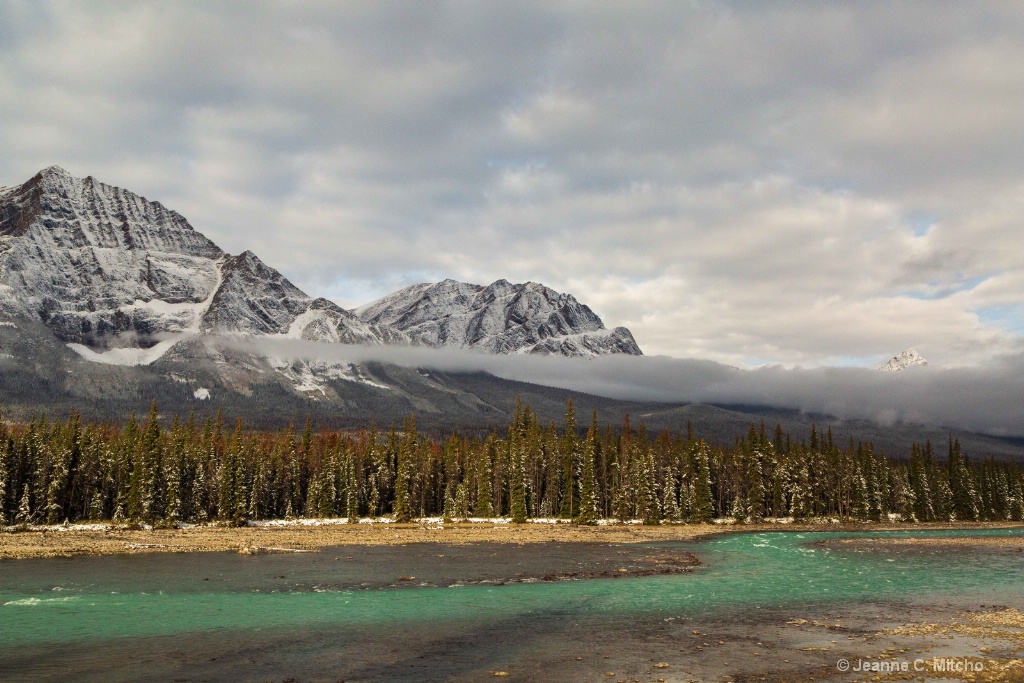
(751, 183)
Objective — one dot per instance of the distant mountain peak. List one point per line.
(502, 318)
(55, 171)
(903, 361)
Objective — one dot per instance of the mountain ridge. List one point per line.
(105, 268)
(501, 317)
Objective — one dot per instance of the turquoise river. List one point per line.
(428, 612)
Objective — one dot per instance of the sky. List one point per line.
(752, 183)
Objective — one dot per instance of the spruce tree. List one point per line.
(174, 464)
(351, 491)
(4, 477)
(570, 465)
(702, 506)
(647, 497)
(517, 473)
(24, 515)
(485, 476)
(462, 502)
(588, 498)
(961, 483)
(401, 507)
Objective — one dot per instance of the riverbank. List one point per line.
(1010, 543)
(100, 539)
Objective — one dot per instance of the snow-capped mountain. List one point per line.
(93, 261)
(903, 361)
(502, 318)
(122, 280)
(104, 268)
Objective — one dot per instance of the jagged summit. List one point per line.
(106, 269)
(103, 267)
(903, 361)
(501, 317)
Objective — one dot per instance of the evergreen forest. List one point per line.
(150, 472)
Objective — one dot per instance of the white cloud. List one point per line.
(740, 182)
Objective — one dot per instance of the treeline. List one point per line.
(146, 472)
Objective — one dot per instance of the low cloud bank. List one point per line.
(988, 399)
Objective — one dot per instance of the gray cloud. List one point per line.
(980, 399)
(799, 183)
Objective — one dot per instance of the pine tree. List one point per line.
(485, 477)
(1017, 503)
(4, 477)
(462, 502)
(241, 495)
(588, 499)
(448, 513)
(739, 509)
(860, 495)
(921, 485)
(754, 477)
(24, 515)
(351, 491)
(60, 473)
(233, 503)
(174, 466)
(961, 483)
(570, 465)
(402, 511)
(257, 499)
(647, 497)
(904, 497)
(702, 506)
(670, 497)
(517, 473)
(145, 496)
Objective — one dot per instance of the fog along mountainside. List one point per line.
(142, 472)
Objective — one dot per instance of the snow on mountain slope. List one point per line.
(502, 318)
(94, 262)
(105, 269)
(124, 281)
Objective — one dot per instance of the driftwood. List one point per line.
(262, 550)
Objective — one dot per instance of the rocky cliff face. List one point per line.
(501, 318)
(104, 268)
(122, 280)
(94, 262)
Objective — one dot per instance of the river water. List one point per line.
(431, 612)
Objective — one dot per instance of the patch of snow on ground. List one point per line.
(328, 521)
(7, 323)
(351, 373)
(202, 394)
(312, 376)
(125, 356)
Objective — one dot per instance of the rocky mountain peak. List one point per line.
(904, 360)
(104, 268)
(501, 317)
